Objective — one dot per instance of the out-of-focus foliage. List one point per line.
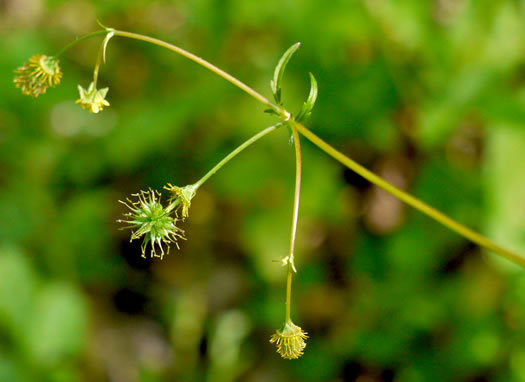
(429, 94)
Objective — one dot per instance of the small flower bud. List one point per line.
(290, 341)
(38, 74)
(152, 221)
(92, 99)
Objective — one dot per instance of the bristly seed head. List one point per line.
(152, 221)
(290, 341)
(38, 74)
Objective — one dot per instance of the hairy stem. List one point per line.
(234, 153)
(295, 216)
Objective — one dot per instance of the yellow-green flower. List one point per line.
(38, 74)
(290, 341)
(184, 194)
(152, 221)
(92, 99)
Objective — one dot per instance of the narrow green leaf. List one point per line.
(308, 106)
(279, 71)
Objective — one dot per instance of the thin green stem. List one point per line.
(234, 153)
(97, 65)
(172, 205)
(288, 315)
(409, 199)
(75, 42)
(295, 216)
(203, 63)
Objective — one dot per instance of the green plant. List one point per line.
(156, 223)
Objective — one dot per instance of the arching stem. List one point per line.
(80, 39)
(203, 63)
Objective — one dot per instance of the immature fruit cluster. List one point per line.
(42, 72)
(290, 341)
(38, 74)
(152, 221)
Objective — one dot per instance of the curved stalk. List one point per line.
(203, 63)
(75, 42)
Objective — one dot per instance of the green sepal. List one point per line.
(306, 109)
(275, 84)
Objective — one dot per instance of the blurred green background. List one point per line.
(428, 94)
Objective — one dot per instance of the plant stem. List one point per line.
(75, 42)
(234, 153)
(295, 216)
(409, 199)
(288, 315)
(370, 176)
(203, 63)
(97, 65)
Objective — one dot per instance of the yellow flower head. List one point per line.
(152, 221)
(185, 194)
(290, 341)
(38, 74)
(92, 99)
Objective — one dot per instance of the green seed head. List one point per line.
(152, 221)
